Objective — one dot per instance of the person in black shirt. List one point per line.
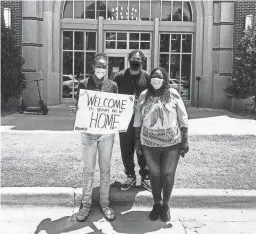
(132, 81)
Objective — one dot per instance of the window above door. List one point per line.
(146, 10)
(127, 41)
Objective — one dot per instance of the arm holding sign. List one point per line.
(74, 109)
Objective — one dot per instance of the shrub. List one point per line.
(13, 81)
(243, 84)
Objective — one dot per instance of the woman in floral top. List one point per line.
(161, 123)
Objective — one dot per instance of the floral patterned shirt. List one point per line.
(160, 119)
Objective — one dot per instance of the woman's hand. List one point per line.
(138, 147)
(184, 148)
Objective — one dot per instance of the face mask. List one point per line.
(100, 72)
(135, 66)
(157, 83)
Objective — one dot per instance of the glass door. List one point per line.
(115, 64)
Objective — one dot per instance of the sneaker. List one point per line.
(109, 214)
(83, 213)
(155, 212)
(165, 213)
(145, 183)
(130, 181)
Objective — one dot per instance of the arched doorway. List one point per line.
(120, 26)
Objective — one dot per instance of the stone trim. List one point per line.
(32, 44)
(217, 2)
(223, 23)
(222, 49)
(28, 70)
(32, 18)
(225, 74)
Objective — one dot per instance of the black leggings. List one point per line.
(162, 163)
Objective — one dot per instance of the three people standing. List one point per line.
(158, 131)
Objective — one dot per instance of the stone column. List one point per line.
(156, 43)
(32, 49)
(223, 26)
(100, 35)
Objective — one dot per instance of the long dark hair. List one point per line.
(165, 86)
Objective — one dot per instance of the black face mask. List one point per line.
(135, 66)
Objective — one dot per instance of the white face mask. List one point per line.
(100, 72)
(157, 83)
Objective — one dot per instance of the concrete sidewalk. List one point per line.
(53, 211)
(202, 121)
(129, 219)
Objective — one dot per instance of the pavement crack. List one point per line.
(185, 229)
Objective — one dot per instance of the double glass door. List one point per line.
(118, 45)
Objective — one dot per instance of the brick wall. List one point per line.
(16, 18)
(242, 8)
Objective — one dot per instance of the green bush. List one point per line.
(13, 81)
(243, 84)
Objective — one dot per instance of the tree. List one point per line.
(243, 84)
(13, 81)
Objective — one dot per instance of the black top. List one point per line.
(131, 84)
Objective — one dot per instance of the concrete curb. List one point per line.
(189, 198)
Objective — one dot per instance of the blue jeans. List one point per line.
(162, 163)
(90, 145)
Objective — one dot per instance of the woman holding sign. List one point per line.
(161, 126)
(91, 143)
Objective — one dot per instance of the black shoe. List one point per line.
(155, 212)
(145, 183)
(130, 181)
(165, 213)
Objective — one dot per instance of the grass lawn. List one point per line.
(52, 159)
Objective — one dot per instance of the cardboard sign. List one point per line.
(103, 113)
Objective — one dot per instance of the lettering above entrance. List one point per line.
(165, 10)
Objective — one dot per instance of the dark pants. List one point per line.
(127, 145)
(162, 164)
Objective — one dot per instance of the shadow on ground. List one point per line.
(129, 219)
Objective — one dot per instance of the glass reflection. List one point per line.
(123, 10)
(164, 61)
(177, 11)
(89, 62)
(144, 10)
(101, 9)
(166, 11)
(79, 9)
(90, 9)
(112, 10)
(133, 10)
(164, 42)
(186, 74)
(175, 42)
(79, 40)
(68, 40)
(155, 9)
(91, 40)
(187, 11)
(187, 43)
(68, 12)
(175, 67)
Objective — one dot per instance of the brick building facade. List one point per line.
(16, 17)
(242, 9)
(209, 29)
